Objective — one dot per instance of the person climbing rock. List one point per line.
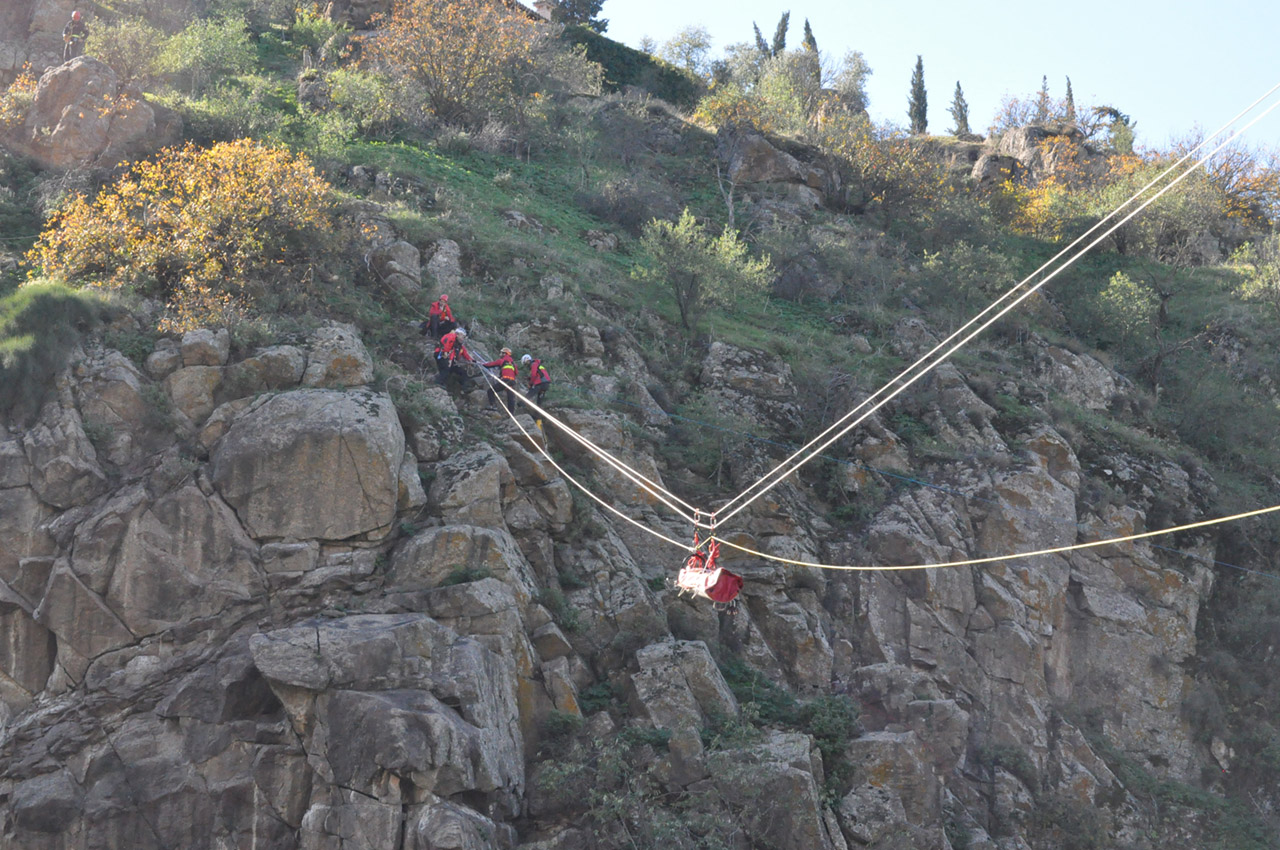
(449, 350)
(506, 366)
(439, 318)
(73, 36)
(539, 378)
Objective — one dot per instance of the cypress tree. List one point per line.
(959, 111)
(761, 44)
(918, 103)
(1042, 100)
(810, 43)
(780, 35)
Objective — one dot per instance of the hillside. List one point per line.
(264, 583)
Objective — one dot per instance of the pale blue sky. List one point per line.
(1170, 65)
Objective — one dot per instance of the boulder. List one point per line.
(397, 699)
(313, 463)
(775, 784)
(399, 265)
(338, 358)
(470, 488)
(192, 390)
(114, 401)
(445, 265)
(432, 556)
(205, 347)
(83, 116)
(64, 466)
(679, 686)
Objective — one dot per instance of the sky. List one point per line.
(1172, 66)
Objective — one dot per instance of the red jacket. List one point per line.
(538, 374)
(451, 347)
(507, 367)
(440, 309)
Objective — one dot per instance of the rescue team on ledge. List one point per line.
(451, 352)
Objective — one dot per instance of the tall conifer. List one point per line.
(918, 102)
(1042, 100)
(810, 43)
(1069, 106)
(780, 35)
(959, 111)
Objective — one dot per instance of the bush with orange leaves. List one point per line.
(885, 172)
(202, 228)
(464, 54)
(17, 99)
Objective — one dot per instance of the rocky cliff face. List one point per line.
(241, 606)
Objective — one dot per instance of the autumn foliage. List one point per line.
(197, 227)
(464, 54)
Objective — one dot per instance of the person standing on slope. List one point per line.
(539, 378)
(73, 37)
(506, 366)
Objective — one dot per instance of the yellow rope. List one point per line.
(1057, 550)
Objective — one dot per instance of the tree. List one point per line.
(196, 227)
(1043, 102)
(701, 270)
(581, 12)
(959, 112)
(780, 35)
(1069, 104)
(849, 82)
(207, 50)
(761, 44)
(689, 49)
(463, 54)
(918, 103)
(809, 43)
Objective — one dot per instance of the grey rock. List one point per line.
(313, 464)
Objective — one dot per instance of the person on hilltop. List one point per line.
(506, 366)
(439, 318)
(73, 36)
(539, 378)
(451, 348)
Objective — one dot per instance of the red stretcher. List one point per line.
(701, 577)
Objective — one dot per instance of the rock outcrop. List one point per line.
(255, 616)
(83, 116)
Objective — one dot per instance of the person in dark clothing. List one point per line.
(506, 366)
(449, 351)
(73, 36)
(539, 378)
(439, 319)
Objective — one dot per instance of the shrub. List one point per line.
(463, 55)
(196, 227)
(312, 29)
(700, 269)
(39, 325)
(208, 50)
(886, 171)
(131, 46)
(364, 99)
(17, 99)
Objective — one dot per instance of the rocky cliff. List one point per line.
(243, 606)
